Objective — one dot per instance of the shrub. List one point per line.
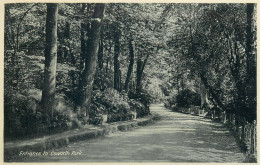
(103, 81)
(186, 98)
(141, 110)
(170, 101)
(109, 102)
(63, 116)
(144, 97)
(175, 108)
(117, 106)
(123, 107)
(22, 115)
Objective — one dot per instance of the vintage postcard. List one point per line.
(129, 81)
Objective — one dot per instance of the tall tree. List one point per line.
(48, 93)
(249, 40)
(91, 59)
(250, 60)
(101, 52)
(131, 64)
(84, 28)
(117, 74)
(203, 95)
(139, 73)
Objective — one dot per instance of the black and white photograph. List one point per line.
(129, 82)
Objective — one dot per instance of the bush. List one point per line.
(118, 106)
(111, 103)
(175, 108)
(144, 97)
(24, 116)
(21, 113)
(186, 98)
(63, 115)
(170, 101)
(141, 110)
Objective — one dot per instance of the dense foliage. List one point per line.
(120, 61)
(187, 98)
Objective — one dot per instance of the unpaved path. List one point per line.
(176, 138)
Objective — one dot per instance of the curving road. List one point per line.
(176, 138)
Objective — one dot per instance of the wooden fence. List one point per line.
(249, 138)
(246, 132)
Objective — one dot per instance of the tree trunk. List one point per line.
(145, 61)
(182, 84)
(83, 30)
(108, 56)
(107, 64)
(119, 80)
(91, 60)
(131, 64)
(139, 74)
(178, 79)
(249, 41)
(67, 30)
(116, 61)
(100, 53)
(243, 129)
(140, 70)
(48, 93)
(211, 90)
(251, 64)
(203, 96)
(177, 82)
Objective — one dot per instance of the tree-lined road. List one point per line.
(176, 138)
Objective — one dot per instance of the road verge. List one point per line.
(14, 149)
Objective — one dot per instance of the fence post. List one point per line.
(243, 129)
(224, 117)
(234, 119)
(253, 139)
(255, 125)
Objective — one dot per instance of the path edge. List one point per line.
(12, 152)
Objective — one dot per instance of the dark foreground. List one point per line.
(176, 138)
